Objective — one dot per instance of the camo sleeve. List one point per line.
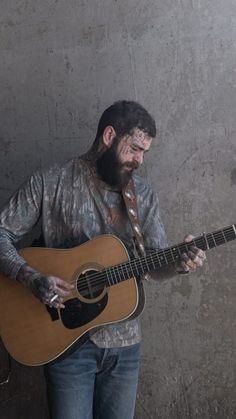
(17, 218)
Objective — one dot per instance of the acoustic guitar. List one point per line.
(107, 290)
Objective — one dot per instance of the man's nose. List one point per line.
(138, 157)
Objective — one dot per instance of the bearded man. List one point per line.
(77, 202)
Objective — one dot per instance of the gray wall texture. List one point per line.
(62, 63)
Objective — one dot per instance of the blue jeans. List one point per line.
(94, 383)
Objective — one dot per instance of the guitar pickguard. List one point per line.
(77, 313)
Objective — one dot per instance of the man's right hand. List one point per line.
(45, 287)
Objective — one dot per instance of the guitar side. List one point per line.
(29, 331)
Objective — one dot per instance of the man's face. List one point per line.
(117, 163)
(131, 149)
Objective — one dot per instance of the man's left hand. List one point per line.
(191, 259)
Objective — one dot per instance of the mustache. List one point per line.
(131, 165)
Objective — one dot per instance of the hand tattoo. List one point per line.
(42, 286)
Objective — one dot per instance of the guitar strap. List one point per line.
(130, 200)
(129, 196)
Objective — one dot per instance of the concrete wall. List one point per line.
(62, 63)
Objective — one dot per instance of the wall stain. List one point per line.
(184, 287)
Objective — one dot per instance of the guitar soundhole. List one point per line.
(90, 285)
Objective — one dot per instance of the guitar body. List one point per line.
(105, 292)
(34, 333)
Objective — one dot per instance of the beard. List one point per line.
(111, 170)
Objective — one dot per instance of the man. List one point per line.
(77, 202)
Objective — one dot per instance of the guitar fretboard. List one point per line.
(160, 258)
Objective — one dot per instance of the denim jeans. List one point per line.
(94, 383)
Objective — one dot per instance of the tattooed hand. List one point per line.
(45, 287)
(192, 259)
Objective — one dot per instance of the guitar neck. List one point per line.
(160, 258)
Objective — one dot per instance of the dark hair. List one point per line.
(124, 116)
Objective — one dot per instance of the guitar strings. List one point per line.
(162, 257)
(99, 275)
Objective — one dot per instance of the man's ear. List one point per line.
(108, 135)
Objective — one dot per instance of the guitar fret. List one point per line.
(210, 241)
(207, 244)
(173, 254)
(220, 237)
(170, 256)
(201, 242)
(121, 273)
(137, 270)
(128, 274)
(145, 260)
(153, 264)
(177, 252)
(231, 233)
(182, 248)
(163, 256)
(117, 275)
(212, 235)
(133, 274)
(108, 274)
(142, 262)
(223, 233)
(141, 267)
(161, 260)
